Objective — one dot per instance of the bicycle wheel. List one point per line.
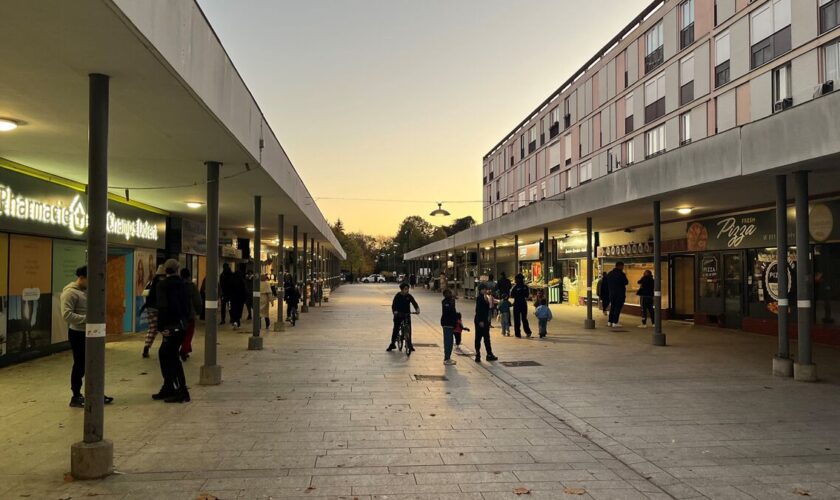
(407, 334)
(400, 339)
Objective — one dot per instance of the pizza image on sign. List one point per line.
(697, 236)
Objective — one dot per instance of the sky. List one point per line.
(399, 100)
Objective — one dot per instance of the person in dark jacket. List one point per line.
(617, 283)
(519, 293)
(150, 306)
(238, 296)
(645, 294)
(401, 308)
(448, 320)
(604, 294)
(291, 296)
(225, 290)
(482, 324)
(503, 286)
(173, 302)
(195, 308)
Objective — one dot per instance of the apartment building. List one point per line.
(680, 72)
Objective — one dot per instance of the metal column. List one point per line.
(495, 262)
(546, 260)
(93, 457)
(295, 275)
(782, 363)
(804, 370)
(255, 342)
(589, 323)
(313, 270)
(658, 337)
(515, 254)
(304, 307)
(211, 372)
(280, 324)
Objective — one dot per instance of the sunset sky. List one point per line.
(401, 99)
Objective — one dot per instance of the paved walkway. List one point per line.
(323, 411)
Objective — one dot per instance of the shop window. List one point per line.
(655, 98)
(655, 140)
(709, 282)
(722, 54)
(686, 23)
(654, 49)
(782, 98)
(686, 80)
(829, 15)
(770, 34)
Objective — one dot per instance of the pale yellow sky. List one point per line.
(401, 99)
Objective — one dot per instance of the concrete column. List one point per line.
(304, 306)
(255, 342)
(782, 363)
(658, 337)
(211, 372)
(546, 260)
(804, 370)
(313, 270)
(295, 274)
(93, 457)
(589, 322)
(280, 324)
(495, 262)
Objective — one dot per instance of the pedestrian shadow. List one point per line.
(568, 340)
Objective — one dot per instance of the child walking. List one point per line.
(459, 327)
(543, 314)
(504, 312)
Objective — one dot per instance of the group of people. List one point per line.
(612, 294)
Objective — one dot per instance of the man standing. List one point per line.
(401, 307)
(74, 311)
(482, 324)
(617, 285)
(173, 302)
(503, 285)
(225, 290)
(519, 293)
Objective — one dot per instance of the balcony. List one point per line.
(554, 131)
(654, 110)
(532, 146)
(687, 36)
(567, 121)
(770, 48)
(654, 59)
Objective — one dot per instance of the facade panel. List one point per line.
(739, 36)
(672, 87)
(631, 62)
(671, 33)
(761, 97)
(698, 123)
(702, 70)
(725, 111)
(806, 77)
(611, 79)
(725, 10)
(672, 133)
(804, 18)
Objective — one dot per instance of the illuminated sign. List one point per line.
(72, 216)
(529, 252)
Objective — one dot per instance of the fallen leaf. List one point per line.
(522, 491)
(574, 491)
(235, 412)
(65, 497)
(801, 492)
(143, 373)
(68, 478)
(311, 488)
(206, 496)
(432, 414)
(125, 380)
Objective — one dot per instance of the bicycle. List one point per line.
(404, 336)
(293, 315)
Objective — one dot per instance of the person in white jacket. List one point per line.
(266, 299)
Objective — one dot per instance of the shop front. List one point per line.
(531, 267)
(43, 225)
(637, 258)
(567, 282)
(738, 269)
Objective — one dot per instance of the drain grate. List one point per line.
(418, 344)
(431, 378)
(520, 363)
(616, 330)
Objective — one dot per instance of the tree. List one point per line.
(459, 225)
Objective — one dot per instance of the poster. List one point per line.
(144, 270)
(67, 257)
(30, 294)
(4, 289)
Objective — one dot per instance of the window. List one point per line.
(832, 62)
(654, 98)
(522, 146)
(782, 98)
(543, 128)
(655, 140)
(523, 199)
(532, 170)
(628, 114)
(630, 153)
(686, 23)
(532, 139)
(654, 51)
(585, 172)
(769, 32)
(567, 114)
(687, 80)
(685, 128)
(722, 51)
(542, 190)
(555, 123)
(567, 148)
(568, 174)
(829, 15)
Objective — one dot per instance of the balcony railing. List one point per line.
(654, 59)
(687, 36)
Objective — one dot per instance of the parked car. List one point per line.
(373, 278)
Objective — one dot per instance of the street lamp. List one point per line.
(440, 211)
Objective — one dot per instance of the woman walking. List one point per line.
(448, 320)
(645, 294)
(266, 299)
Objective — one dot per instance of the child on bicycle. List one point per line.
(401, 308)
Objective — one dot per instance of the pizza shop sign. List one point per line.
(68, 214)
(736, 231)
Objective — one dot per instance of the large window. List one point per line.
(654, 98)
(629, 153)
(829, 14)
(567, 148)
(555, 123)
(654, 51)
(628, 114)
(769, 32)
(685, 128)
(655, 141)
(532, 139)
(567, 114)
(832, 62)
(522, 146)
(782, 98)
(686, 23)
(722, 54)
(687, 80)
(585, 172)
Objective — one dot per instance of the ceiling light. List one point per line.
(575, 231)
(7, 125)
(684, 210)
(250, 229)
(195, 204)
